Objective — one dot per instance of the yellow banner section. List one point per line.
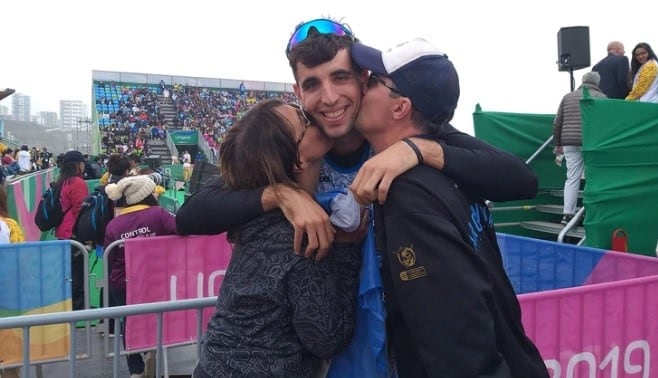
(46, 342)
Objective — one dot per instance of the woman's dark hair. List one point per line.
(259, 150)
(117, 165)
(68, 170)
(635, 64)
(4, 212)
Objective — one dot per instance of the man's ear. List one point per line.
(295, 87)
(402, 108)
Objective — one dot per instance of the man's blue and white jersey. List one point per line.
(334, 178)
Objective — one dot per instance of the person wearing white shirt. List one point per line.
(23, 157)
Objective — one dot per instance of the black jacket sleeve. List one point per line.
(485, 171)
(213, 209)
(440, 308)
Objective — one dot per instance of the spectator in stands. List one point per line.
(46, 158)
(118, 167)
(35, 158)
(59, 160)
(24, 159)
(644, 72)
(10, 230)
(142, 217)
(135, 160)
(568, 139)
(286, 323)
(199, 157)
(10, 163)
(97, 166)
(89, 171)
(72, 193)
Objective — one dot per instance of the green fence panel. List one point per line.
(522, 134)
(620, 147)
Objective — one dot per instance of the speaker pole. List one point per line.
(565, 61)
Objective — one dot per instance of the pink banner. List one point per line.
(168, 268)
(601, 330)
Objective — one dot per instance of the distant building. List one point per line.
(21, 107)
(71, 111)
(4, 111)
(48, 119)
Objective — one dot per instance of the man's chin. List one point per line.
(335, 132)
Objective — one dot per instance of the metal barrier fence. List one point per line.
(71, 317)
(80, 249)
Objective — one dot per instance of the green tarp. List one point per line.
(620, 148)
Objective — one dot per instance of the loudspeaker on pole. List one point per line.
(573, 48)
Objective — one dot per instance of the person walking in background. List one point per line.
(568, 139)
(187, 166)
(72, 193)
(10, 230)
(614, 71)
(644, 71)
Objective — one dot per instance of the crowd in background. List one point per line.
(137, 118)
(24, 160)
(214, 111)
(140, 117)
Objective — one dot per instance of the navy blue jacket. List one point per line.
(615, 76)
(451, 310)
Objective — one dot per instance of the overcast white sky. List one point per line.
(505, 51)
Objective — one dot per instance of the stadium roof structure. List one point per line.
(6, 93)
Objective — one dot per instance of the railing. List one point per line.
(572, 223)
(71, 317)
(539, 150)
(170, 144)
(205, 147)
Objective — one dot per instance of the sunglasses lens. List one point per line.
(322, 26)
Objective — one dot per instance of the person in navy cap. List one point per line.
(73, 191)
(451, 310)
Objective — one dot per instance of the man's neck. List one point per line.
(348, 144)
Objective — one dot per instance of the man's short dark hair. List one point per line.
(318, 49)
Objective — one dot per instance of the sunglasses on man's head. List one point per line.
(322, 26)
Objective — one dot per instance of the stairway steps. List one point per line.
(553, 228)
(560, 193)
(552, 209)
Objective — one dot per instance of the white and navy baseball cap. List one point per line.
(419, 71)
